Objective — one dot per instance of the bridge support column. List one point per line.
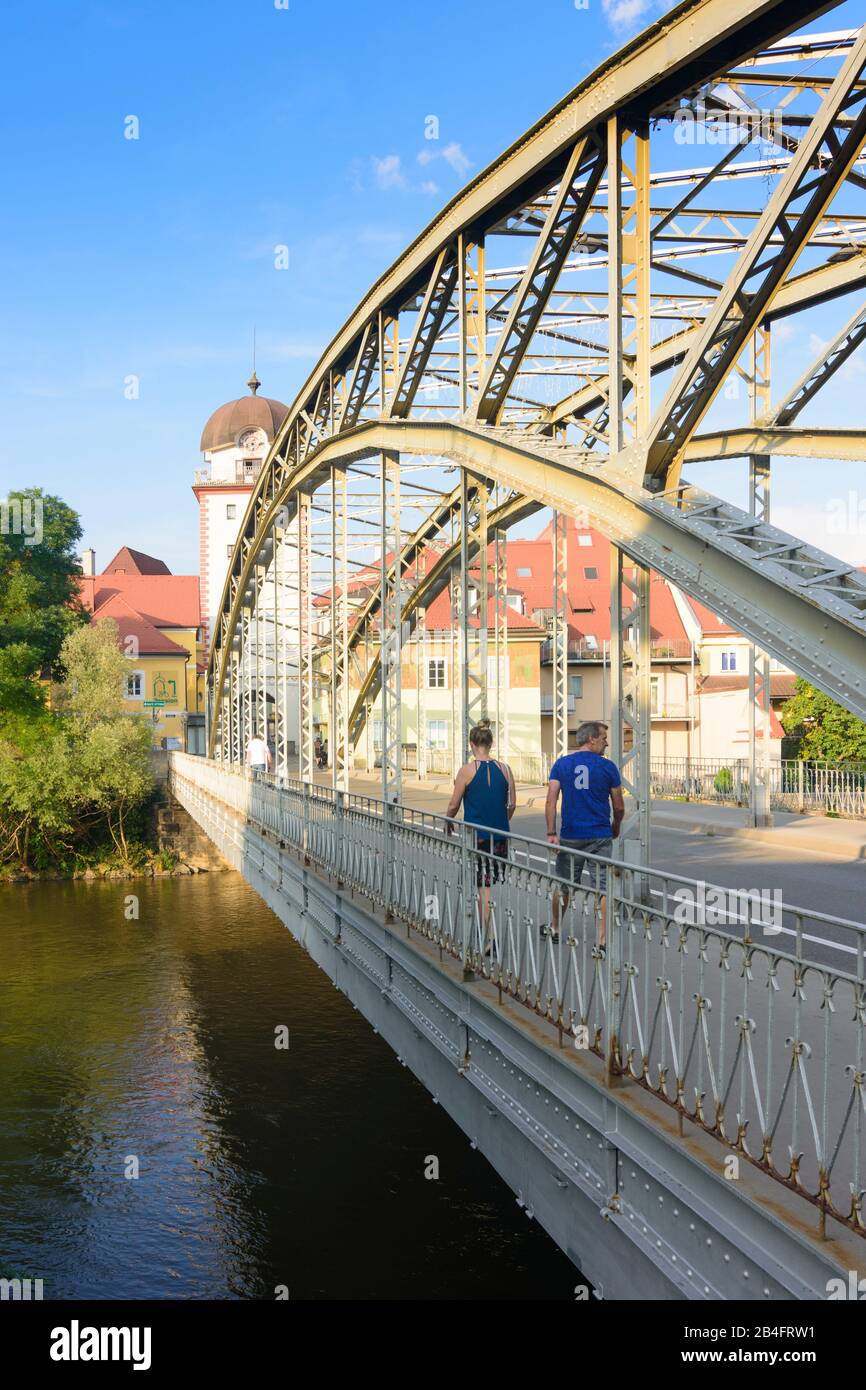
(473, 641)
(473, 319)
(305, 637)
(391, 638)
(759, 661)
(630, 701)
(500, 619)
(559, 643)
(339, 734)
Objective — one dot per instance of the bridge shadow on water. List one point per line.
(258, 1167)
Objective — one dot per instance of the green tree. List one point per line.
(109, 749)
(827, 732)
(39, 572)
(81, 767)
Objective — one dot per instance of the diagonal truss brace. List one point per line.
(564, 220)
(811, 180)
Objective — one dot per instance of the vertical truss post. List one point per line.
(630, 701)
(500, 589)
(389, 359)
(305, 637)
(257, 642)
(391, 643)
(473, 318)
(248, 672)
(340, 751)
(759, 661)
(559, 644)
(276, 649)
(421, 691)
(283, 612)
(629, 258)
(455, 663)
(473, 537)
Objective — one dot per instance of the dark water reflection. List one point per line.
(153, 1040)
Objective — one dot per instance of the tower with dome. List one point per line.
(234, 444)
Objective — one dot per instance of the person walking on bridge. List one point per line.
(592, 812)
(258, 757)
(486, 789)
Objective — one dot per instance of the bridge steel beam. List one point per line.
(803, 606)
(508, 335)
(759, 661)
(559, 636)
(630, 668)
(572, 1149)
(391, 629)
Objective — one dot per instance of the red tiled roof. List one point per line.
(439, 618)
(129, 561)
(149, 640)
(165, 600)
(711, 625)
(782, 686)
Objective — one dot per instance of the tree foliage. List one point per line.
(825, 730)
(39, 602)
(74, 768)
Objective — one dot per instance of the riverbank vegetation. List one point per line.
(76, 787)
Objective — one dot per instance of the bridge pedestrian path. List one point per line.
(735, 1023)
(821, 835)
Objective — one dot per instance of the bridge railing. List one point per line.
(742, 1012)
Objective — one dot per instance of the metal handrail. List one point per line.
(745, 1014)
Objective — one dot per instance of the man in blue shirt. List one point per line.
(592, 812)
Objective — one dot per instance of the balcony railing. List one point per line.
(678, 649)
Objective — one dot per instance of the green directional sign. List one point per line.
(155, 704)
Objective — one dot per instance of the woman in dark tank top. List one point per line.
(486, 789)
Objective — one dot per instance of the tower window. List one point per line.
(231, 511)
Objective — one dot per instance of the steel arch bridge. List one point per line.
(589, 318)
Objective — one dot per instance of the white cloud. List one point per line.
(623, 14)
(453, 155)
(425, 156)
(388, 171)
(428, 186)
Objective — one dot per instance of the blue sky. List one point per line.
(259, 126)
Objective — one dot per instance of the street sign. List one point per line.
(154, 704)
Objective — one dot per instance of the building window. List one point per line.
(729, 661)
(654, 695)
(584, 538)
(590, 640)
(135, 685)
(524, 572)
(590, 572)
(436, 673)
(437, 733)
(231, 511)
(497, 677)
(575, 687)
(515, 601)
(377, 733)
(250, 467)
(229, 551)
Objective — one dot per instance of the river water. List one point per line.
(147, 1046)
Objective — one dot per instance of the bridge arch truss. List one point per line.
(586, 323)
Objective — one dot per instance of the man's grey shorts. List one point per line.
(570, 866)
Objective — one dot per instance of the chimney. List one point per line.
(88, 562)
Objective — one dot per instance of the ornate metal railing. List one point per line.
(743, 1013)
(794, 785)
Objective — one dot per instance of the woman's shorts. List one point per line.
(488, 865)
